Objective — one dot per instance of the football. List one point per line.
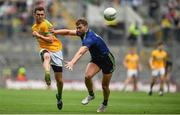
(110, 14)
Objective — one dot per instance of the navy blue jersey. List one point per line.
(96, 45)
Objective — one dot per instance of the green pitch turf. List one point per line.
(44, 102)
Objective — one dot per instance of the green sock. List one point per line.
(91, 93)
(59, 89)
(105, 102)
(47, 78)
(47, 73)
(60, 95)
(161, 89)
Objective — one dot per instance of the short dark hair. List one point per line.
(40, 8)
(82, 21)
(159, 43)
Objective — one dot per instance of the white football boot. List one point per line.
(86, 100)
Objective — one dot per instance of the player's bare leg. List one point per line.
(126, 83)
(59, 83)
(106, 91)
(152, 84)
(161, 86)
(134, 84)
(168, 85)
(91, 70)
(46, 65)
(167, 81)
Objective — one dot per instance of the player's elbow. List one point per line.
(50, 40)
(68, 32)
(84, 51)
(81, 53)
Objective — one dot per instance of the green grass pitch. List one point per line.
(44, 102)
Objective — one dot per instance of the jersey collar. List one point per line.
(85, 34)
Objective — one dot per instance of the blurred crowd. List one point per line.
(16, 15)
(170, 19)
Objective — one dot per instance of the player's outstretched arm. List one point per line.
(125, 62)
(48, 38)
(64, 32)
(139, 66)
(69, 65)
(151, 62)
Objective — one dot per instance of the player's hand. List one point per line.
(69, 65)
(35, 33)
(140, 68)
(52, 30)
(152, 67)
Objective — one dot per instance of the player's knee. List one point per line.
(59, 81)
(88, 76)
(46, 56)
(105, 87)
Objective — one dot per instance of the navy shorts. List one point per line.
(106, 63)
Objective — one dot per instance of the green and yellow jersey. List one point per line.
(43, 29)
(158, 59)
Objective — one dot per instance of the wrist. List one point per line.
(38, 35)
(72, 62)
(55, 32)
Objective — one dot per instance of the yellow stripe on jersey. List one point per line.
(43, 29)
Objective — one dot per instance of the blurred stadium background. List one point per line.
(19, 49)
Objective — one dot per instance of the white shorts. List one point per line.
(56, 57)
(158, 72)
(132, 73)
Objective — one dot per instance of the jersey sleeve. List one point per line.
(153, 54)
(88, 42)
(126, 58)
(33, 28)
(138, 58)
(45, 28)
(166, 55)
